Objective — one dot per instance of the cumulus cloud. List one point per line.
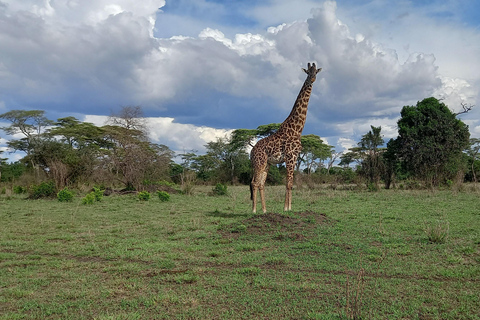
(87, 57)
(179, 137)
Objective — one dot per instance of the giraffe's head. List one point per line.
(311, 71)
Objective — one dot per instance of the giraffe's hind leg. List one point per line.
(258, 183)
(262, 190)
(290, 165)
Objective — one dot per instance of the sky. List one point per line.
(201, 68)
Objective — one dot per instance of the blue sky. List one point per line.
(201, 68)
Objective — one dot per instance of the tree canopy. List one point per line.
(431, 141)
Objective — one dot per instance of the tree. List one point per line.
(3, 162)
(129, 117)
(431, 141)
(371, 166)
(133, 158)
(30, 123)
(242, 138)
(349, 157)
(229, 161)
(313, 148)
(391, 162)
(473, 152)
(80, 146)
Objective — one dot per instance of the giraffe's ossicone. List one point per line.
(282, 146)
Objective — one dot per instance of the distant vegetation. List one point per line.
(432, 149)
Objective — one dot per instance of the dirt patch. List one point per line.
(294, 227)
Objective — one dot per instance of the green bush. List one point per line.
(163, 196)
(144, 196)
(98, 193)
(19, 190)
(65, 195)
(220, 190)
(43, 190)
(89, 198)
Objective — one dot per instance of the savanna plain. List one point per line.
(340, 254)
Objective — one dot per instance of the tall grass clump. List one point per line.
(437, 232)
(220, 190)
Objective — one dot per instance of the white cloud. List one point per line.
(345, 144)
(90, 56)
(179, 137)
(182, 137)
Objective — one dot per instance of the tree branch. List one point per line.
(465, 108)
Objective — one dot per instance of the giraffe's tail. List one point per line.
(251, 191)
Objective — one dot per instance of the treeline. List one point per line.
(432, 148)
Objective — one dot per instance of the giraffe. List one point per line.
(282, 146)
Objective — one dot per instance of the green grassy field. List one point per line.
(339, 255)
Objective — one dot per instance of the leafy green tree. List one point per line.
(229, 161)
(431, 141)
(3, 162)
(391, 162)
(371, 165)
(73, 151)
(31, 124)
(11, 171)
(348, 158)
(313, 149)
(242, 138)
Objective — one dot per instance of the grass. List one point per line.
(339, 255)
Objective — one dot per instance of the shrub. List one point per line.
(220, 190)
(65, 195)
(89, 198)
(19, 190)
(372, 187)
(163, 196)
(144, 196)
(43, 190)
(98, 193)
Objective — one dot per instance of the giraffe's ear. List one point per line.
(304, 70)
(319, 69)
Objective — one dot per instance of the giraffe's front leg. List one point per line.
(290, 165)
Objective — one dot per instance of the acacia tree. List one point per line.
(313, 149)
(31, 124)
(347, 158)
(223, 161)
(79, 147)
(431, 141)
(133, 159)
(131, 156)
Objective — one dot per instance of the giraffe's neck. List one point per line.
(293, 125)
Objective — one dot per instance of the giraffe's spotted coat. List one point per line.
(282, 146)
